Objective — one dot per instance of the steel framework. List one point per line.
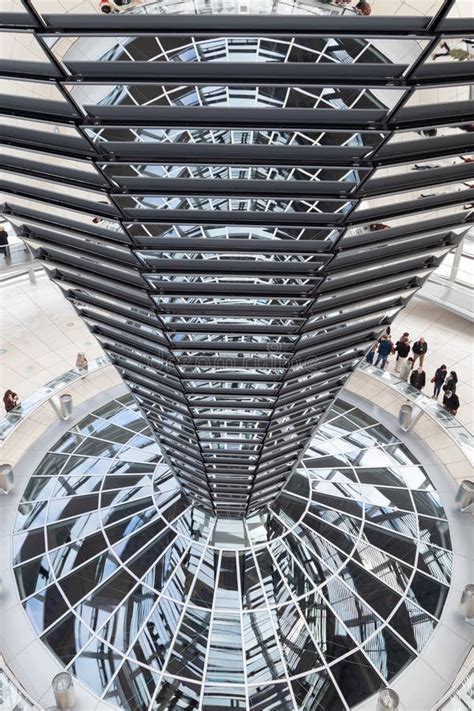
(228, 256)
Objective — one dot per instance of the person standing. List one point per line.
(451, 402)
(362, 8)
(371, 353)
(451, 382)
(406, 368)
(418, 378)
(10, 400)
(420, 348)
(4, 242)
(81, 361)
(402, 348)
(384, 350)
(107, 8)
(377, 226)
(438, 379)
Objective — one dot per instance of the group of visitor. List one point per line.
(383, 348)
(409, 366)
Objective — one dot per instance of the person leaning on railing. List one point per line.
(82, 363)
(451, 402)
(10, 400)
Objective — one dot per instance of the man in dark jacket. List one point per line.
(384, 350)
(402, 347)
(3, 241)
(418, 379)
(419, 350)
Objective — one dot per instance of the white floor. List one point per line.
(41, 335)
(462, 8)
(450, 341)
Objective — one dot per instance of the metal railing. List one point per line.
(46, 393)
(12, 696)
(461, 698)
(458, 433)
(152, 7)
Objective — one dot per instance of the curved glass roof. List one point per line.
(234, 206)
(315, 602)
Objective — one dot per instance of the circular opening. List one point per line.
(342, 557)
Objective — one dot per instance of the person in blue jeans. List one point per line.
(438, 379)
(385, 348)
(371, 353)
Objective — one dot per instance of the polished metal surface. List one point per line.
(465, 495)
(63, 689)
(237, 205)
(236, 208)
(7, 478)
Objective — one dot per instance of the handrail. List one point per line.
(18, 262)
(15, 417)
(326, 8)
(458, 433)
(460, 695)
(12, 694)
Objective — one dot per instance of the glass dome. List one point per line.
(316, 602)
